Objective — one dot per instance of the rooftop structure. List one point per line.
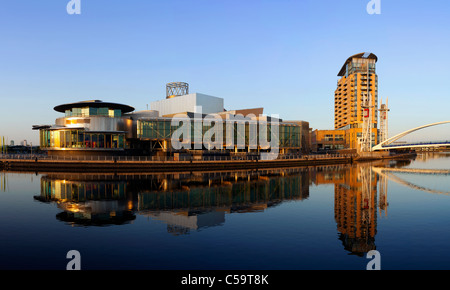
(195, 102)
(176, 89)
(355, 64)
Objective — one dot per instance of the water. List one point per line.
(325, 217)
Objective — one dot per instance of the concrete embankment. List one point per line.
(161, 166)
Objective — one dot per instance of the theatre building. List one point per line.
(101, 128)
(88, 127)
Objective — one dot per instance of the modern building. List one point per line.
(305, 135)
(88, 128)
(104, 128)
(324, 140)
(356, 100)
(355, 107)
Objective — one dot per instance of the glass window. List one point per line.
(115, 141)
(103, 111)
(101, 141)
(93, 111)
(87, 141)
(62, 139)
(80, 143)
(120, 141)
(94, 138)
(73, 139)
(108, 141)
(85, 112)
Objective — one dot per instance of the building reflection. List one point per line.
(193, 201)
(88, 200)
(185, 202)
(355, 210)
(360, 197)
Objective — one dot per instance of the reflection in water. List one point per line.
(88, 200)
(3, 182)
(193, 201)
(184, 201)
(356, 205)
(389, 173)
(427, 156)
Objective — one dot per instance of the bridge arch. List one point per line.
(398, 136)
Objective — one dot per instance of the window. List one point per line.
(101, 141)
(103, 111)
(94, 138)
(85, 112)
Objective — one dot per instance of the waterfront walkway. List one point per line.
(33, 163)
(148, 163)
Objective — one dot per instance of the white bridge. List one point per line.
(387, 144)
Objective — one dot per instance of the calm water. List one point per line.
(295, 218)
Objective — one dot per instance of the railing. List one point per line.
(418, 144)
(212, 158)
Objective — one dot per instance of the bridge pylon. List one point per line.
(383, 120)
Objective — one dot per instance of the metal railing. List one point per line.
(444, 143)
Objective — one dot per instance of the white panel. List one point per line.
(210, 104)
(188, 103)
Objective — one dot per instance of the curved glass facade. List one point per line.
(81, 139)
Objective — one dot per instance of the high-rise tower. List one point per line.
(356, 101)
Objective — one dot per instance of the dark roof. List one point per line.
(358, 55)
(38, 127)
(94, 104)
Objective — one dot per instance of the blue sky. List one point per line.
(283, 55)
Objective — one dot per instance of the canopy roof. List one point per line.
(94, 104)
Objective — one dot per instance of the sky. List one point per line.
(283, 55)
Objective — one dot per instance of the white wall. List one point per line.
(188, 103)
